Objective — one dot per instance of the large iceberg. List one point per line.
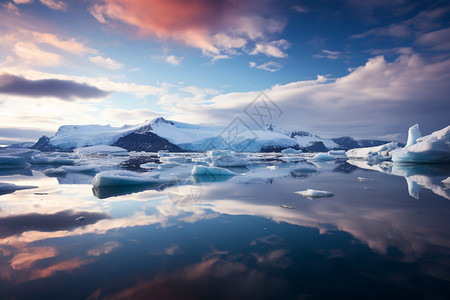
(433, 148)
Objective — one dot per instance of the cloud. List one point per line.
(31, 54)
(62, 89)
(173, 60)
(217, 27)
(70, 45)
(393, 30)
(125, 116)
(274, 48)
(270, 66)
(328, 54)
(55, 5)
(106, 63)
(439, 39)
(11, 8)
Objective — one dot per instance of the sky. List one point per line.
(366, 69)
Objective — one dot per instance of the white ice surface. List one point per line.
(380, 153)
(413, 134)
(13, 162)
(322, 157)
(291, 151)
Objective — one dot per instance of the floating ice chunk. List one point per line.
(287, 206)
(211, 171)
(59, 158)
(163, 153)
(377, 153)
(291, 151)
(81, 169)
(433, 148)
(413, 134)
(55, 172)
(446, 182)
(13, 162)
(322, 157)
(7, 188)
(228, 159)
(272, 168)
(363, 179)
(150, 165)
(212, 153)
(121, 177)
(336, 152)
(19, 152)
(315, 193)
(173, 159)
(101, 150)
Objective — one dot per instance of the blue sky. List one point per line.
(368, 69)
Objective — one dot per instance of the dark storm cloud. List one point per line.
(62, 89)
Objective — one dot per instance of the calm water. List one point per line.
(384, 234)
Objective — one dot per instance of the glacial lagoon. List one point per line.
(385, 232)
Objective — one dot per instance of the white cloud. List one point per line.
(11, 8)
(274, 48)
(270, 66)
(31, 54)
(300, 9)
(328, 54)
(70, 45)
(107, 63)
(22, 1)
(173, 60)
(55, 5)
(125, 116)
(439, 39)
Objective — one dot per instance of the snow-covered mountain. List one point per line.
(162, 134)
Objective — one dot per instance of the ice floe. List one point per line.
(89, 169)
(322, 157)
(101, 150)
(433, 148)
(13, 162)
(373, 154)
(291, 151)
(310, 193)
(7, 188)
(122, 177)
(211, 171)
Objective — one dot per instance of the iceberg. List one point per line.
(336, 152)
(7, 188)
(291, 151)
(211, 171)
(310, 193)
(433, 148)
(322, 157)
(13, 162)
(101, 150)
(121, 177)
(90, 169)
(446, 182)
(59, 158)
(374, 154)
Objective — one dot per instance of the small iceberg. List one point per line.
(226, 158)
(122, 177)
(56, 159)
(373, 154)
(446, 182)
(322, 157)
(13, 162)
(89, 169)
(8, 188)
(433, 148)
(101, 150)
(337, 152)
(291, 151)
(211, 171)
(315, 193)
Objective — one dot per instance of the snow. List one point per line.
(310, 193)
(77, 136)
(291, 151)
(377, 153)
(101, 150)
(122, 177)
(6, 188)
(322, 157)
(211, 171)
(13, 162)
(433, 148)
